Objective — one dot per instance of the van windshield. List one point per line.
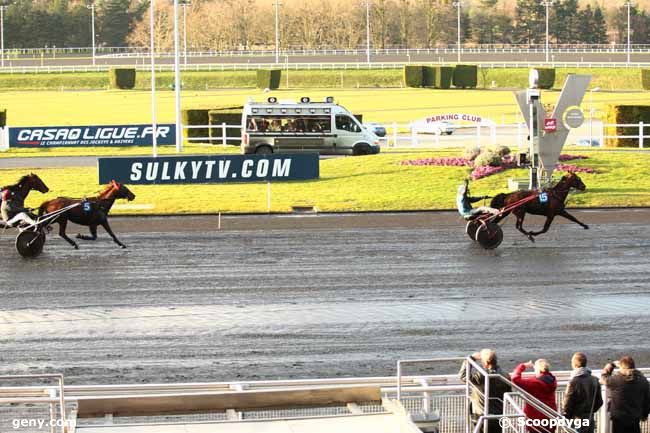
(346, 123)
(290, 124)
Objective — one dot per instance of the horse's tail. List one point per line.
(498, 201)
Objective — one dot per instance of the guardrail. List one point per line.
(320, 66)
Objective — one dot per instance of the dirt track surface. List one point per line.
(321, 296)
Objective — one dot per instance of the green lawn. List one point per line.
(49, 108)
(369, 183)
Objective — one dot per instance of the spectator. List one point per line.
(542, 387)
(488, 360)
(629, 396)
(582, 397)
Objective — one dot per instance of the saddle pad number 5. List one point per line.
(543, 197)
(87, 206)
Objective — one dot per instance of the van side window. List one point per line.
(346, 123)
(290, 124)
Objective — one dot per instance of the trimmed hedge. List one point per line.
(3, 118)
(626, 114)
(196, 117)
(268, 78)
(645, 79)
(121, 78)
(444, 75)
(429, 76)
(229, 116)
(413, 75)
(546, 78)
(465, 76)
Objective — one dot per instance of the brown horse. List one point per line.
(19, 192)
(550, 208)
(90, 212)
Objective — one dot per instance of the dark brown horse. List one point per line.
(18, 193)
(552, 206)
(91, 212)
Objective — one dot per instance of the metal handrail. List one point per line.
(402, 362)
(61, 398)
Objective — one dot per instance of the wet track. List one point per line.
(188, 303)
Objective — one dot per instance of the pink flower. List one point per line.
(566, 157)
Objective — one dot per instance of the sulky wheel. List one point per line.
(489, 235)
(30, 243)
(471, 228)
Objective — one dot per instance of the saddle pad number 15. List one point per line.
(543, 197)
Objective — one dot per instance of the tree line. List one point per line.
(317, 24)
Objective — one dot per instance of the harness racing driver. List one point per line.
(13, 208)
(464, 203)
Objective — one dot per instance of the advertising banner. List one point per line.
(209, 169)
(104, 135)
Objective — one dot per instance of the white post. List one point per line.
(185, 3)
(368, 31)
(628, 4)
(268, 196)
(394, 134)
(177, 81)
(547, 4)
(223, 134)
(493, 132)
(2, 34)
(457, 4)
(92, 20)
(478, 135)
(640, 135)
(152, 53)
(277, 32)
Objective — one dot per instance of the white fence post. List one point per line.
(394, 134)
(4, 139)
(478, 135)
(223, 134)
(640, 135)
(493, 132)
(602, 134)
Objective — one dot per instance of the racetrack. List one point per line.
(321, 296)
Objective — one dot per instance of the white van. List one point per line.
(305, 126)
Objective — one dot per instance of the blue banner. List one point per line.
(103, 135)
(209, 169)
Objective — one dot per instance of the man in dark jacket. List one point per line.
(582, 397)
(487, 358)
(629, 394)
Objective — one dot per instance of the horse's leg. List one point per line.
(110, 232)
(63, 223)
(93, 234)
(570, 217)
(547, 224)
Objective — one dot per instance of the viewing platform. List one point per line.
(401, 403)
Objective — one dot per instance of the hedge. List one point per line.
(626, 114)
(229, 116)
(413, 75)
(546, 78)
(196, 117)
(444, 75)
(121, 78)
(645, 79)
(268, 78)
(3, 118)
(429, 76)
(465, 76)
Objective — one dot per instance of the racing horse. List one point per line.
(91, 212)
(21, 189)
(549, 203)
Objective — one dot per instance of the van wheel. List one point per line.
(264, 150)
(361, 149)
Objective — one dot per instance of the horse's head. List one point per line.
(121, 191)
(574, 181)
(34, 182)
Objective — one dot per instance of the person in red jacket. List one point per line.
(542, 387)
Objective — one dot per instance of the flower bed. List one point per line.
(483, 171)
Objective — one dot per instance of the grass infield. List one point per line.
(368, 183)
